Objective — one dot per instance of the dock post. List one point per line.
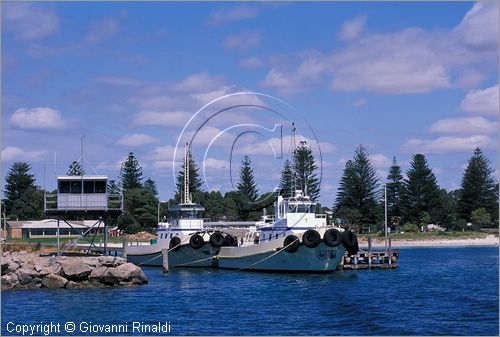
(369, 243)
(124, 249)
(164, 253)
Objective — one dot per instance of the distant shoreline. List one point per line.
(489, 241)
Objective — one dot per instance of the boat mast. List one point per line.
(293, 147)
(186, 176)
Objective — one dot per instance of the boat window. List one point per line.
(277, 236)
(161, 236)
(170, 235)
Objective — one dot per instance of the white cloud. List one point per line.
(380, 161)
(274, 145)
(448, 144)
(479, 27)
(352, 29)
(158, 118)
(114, 80)
(470, 125)
(213, 163)
(251, 63)
(102, 30)
(12, 153)
(137, 139)
(199, 82)
(38, 119)
(242, 41)
(483, 102)
(28, 21)
(225, 15)
(409, 61)
(162, 155)
(307, 73)
(360, 102)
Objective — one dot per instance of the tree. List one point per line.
(285, 185)
(478, 188)
(480, 217)
(304, 169)
(195, 182)
(113, 187)
(131, 173)
(20, 187)
(29, 206)
(358, 193)
(75, 169)
(421, 191)
(394, 187)
(150, 185)
(140, 210)
(246, 186)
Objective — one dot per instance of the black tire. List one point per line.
(174, 244)
(291, 247)
(230, 241)
(311, 238)
(217, 239)
(350, 242)
(196, 241)
(332, 237)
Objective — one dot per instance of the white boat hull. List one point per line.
(322, 258)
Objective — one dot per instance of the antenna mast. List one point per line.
(186, 176)
(293, 147)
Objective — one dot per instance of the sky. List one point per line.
(230, 78)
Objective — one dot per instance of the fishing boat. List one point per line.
(187, 241)
(295, 239)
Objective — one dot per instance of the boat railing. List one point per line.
(320, 216)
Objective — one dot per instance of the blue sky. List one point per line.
(400, 78)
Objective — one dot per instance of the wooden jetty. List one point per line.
(369, 259)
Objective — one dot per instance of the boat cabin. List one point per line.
(187, 216)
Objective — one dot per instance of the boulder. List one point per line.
(98, 273)
(78, 285)
(54, 281)
(9, 281)
(111, 261)
(130, 272)
(74, 270)
(26, 274)
(53, 269)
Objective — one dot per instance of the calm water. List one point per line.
(435, 291)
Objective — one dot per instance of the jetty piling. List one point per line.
(164, 253)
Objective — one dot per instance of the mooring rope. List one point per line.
(188, 263)
(161, 254)
(277, 252)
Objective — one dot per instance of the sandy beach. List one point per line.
(490, 240)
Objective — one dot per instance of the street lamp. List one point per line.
(160, 202)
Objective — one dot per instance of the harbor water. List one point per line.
(435, 291)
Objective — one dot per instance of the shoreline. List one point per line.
(489, 241)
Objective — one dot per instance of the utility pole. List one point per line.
(385, 216)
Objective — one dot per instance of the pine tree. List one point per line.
(75, 169)
(195, 182)
(478, 187)
(150, 185)
(131, 173)
(394, 187)
(246, 186)
(113, 187)
(285, 185)
(21, 194)
(358, 191)
(304, 168)
(421, 191)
